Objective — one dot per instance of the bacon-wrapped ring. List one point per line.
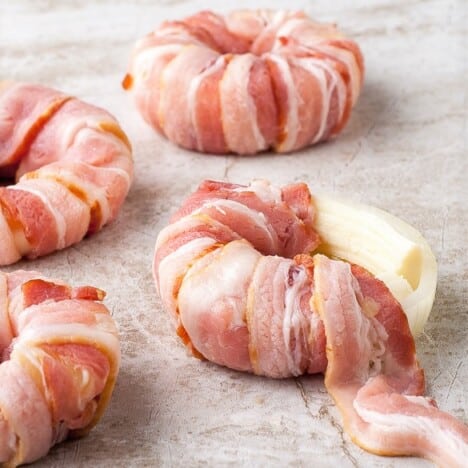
(243, 272)
(59, 360)
(246, 82)
(73, 165)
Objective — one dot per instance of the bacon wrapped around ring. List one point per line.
(246, 82)
(59, 360)
(73, 165)
(242, 270)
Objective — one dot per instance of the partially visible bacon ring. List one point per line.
(59, 360)
(240, 305)
(246, 82)
(74, 169)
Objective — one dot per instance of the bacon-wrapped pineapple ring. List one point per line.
(59, 360)
(73, 165)
(246, 82)
(234, 268)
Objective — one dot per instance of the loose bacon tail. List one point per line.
(248, 82)
(60, 358)
(373, 374)
(74, 166)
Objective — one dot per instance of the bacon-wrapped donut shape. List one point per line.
(246, 82)
(235, 268)
(59, 360)
(73, 165)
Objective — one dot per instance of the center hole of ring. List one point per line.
(7, 175)
(4, 181)
(254, 47)
(5, 353)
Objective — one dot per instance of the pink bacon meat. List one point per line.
(59, 360)
(246, 82)
(234, 267)
(73, 165)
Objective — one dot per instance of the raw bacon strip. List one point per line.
(235, 269)
(372, 371)
(275, 221)
(175, 83)
(59, 359)
(212, 302)
(246, 82)
(23, 111)
(74, 169)
(206, 107)
(239, 110)
(280, 320)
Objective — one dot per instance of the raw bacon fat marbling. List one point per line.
(235, 269)
(59, 359)
(73, 166)
(246, 82)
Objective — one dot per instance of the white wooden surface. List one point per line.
(404, 150)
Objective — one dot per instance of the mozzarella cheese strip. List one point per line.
(386, 246)
(73, 167)
(285, 309)
(246, 82)
(59, 360)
